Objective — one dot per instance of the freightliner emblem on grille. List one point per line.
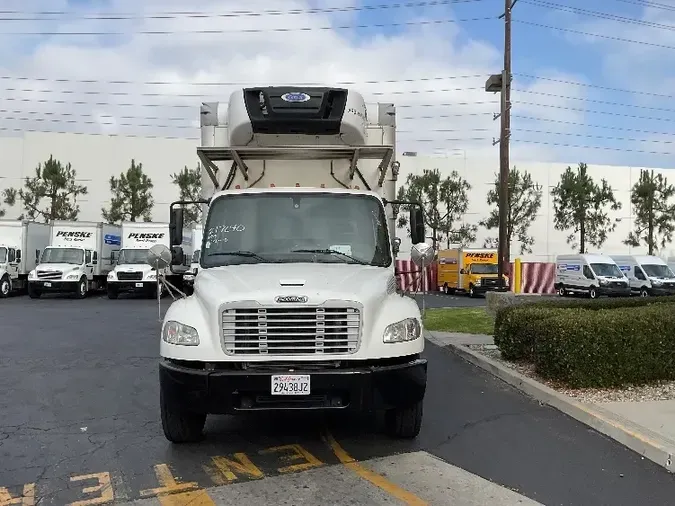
(292, 299)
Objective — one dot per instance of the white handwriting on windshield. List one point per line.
(218, 233)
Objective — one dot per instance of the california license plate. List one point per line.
(48, 284)
(139, 285)
(290, 384)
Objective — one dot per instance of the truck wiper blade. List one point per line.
(240, 253)
(331, 252)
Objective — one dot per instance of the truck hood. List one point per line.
(57, 267)
(144, 268)
(318, 282)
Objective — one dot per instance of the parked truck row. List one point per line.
(79, 257)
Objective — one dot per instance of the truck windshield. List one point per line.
(607, 270)
(285, 227)
(133, 256)
(484, 269)
(3, 255)
(62, 256)
(657, 271)
(195, 257)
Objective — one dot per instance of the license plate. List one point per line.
(48, 284)
(290, 384)
(139, 285)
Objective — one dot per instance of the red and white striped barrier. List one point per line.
(410, 277)
(537, 277)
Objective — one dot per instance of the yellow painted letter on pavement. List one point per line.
(297, 452)
(172, 493)
(104, 489)
(225, 469)
(26, 499)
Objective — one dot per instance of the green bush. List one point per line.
(513, 332)
(606, 348)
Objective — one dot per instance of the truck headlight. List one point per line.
(73, 276)
(405, 330)
(657, 282)
(182, 335)
(111, 276)
(604, 282)
(152, 275)
(31, 275)
(479, 281)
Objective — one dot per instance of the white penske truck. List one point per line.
(21, 244)
(189, 276)
(295, 305)
(132, 272)
(78, 259)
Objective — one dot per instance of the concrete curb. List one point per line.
(639, 439)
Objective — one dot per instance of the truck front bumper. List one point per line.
(614, 291)
(132, 286)
(54, 286)
(373, 386)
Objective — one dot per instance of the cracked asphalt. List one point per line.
(80, 398)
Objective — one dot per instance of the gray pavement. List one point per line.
(80, 409)
(439, 299)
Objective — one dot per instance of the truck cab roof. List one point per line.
(298, 189)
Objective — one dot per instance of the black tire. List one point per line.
(593, 293)
(404, 423)
(472, 293)
(82, 288)
(33, 293)
(180, 426)
(644, 292)
(561, 291)
(113, 292)
(5, 286)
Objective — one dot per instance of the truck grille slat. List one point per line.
(49, 274)
(291, 331)
(129, 276)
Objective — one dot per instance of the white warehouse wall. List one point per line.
(97, 157)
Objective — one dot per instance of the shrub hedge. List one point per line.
(515, 331)
(605, 347)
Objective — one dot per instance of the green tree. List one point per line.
(131, 196)
(580, 205)
(50, 195)
(189, 184)
(444, 201)
(654, 215)
(524, 204)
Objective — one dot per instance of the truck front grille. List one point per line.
(49, 274)
(291, 330)
(129, 276)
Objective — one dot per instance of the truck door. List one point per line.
(13, 260)
(88, 265)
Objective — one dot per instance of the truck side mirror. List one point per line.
(417, 225)
(462, 271)
(176, 226)
(177, 255)
(397, 245)
(18, 255)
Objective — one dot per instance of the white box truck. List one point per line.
(21, 244)
(131, 272)
(589, 274)
(189, 276)
(78, 259)
(647, 274)
(295, 305)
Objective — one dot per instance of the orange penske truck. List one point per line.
(468, 270)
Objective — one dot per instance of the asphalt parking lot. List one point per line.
(80, 419)
(439, 299)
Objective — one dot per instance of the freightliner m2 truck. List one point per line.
(295, 305)
(78, 259)
(21, 243)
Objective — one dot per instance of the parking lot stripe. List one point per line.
(376, 479)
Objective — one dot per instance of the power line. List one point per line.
(84, 115)
(253, 30)
(643, 3)
(594, 101)
(572, 134)
(606, 148)
(608, 37)
(588, 111)
(586, 125)
(589, 85)
(119, 16)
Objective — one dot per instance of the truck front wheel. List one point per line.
(404, 423)
(33, 293)
(180, 426)
(5, 286)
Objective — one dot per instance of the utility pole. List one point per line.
(502, 83)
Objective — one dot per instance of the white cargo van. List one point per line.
(295, 306)
(189, 276)
(589, 274)
(78, 259)
(21, 244)
(647, 274)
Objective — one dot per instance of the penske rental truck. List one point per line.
(131, 272)
(21, 244)
(295, 305)
(78, 259)
(469, 270)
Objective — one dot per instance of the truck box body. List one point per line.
(590, 274)
(78, 259)
(21, 244)
(296, 282)
(469, 270)
(647, 274)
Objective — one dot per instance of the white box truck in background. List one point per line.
(21, 244)
(78, 259)
(189, 276)
(295, 304)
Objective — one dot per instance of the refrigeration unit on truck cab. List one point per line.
(21, 244)
(295, 305)
(132, 272)
(78, 259)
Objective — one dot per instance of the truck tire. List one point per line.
(644, 292)
(82, 288)
(404, 423)
(593, 293)
(472, 292)
(33, 293)
(5, 286)
(180, 426)
(113, 293)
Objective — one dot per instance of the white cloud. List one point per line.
(265, 57)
